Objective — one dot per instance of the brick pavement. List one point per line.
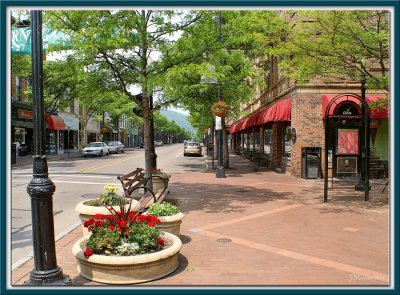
(266, 229)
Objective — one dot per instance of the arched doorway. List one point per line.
(347, 130)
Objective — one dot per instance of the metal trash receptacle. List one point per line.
(311, 162)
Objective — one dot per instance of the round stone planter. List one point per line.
(128, 269)
(158, 184)
(87, 212)
(170, 224)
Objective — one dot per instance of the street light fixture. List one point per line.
(41, 188)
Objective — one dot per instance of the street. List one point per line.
(78, 179)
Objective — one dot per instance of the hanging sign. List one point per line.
(218, 123)
(21, 39)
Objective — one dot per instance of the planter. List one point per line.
(219, 112)
(87, 212)
(128, 269)
(158, 184)
(170, 224)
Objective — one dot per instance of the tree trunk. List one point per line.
(225, 144)
(147, 135)
(212, 133)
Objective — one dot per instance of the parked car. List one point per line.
(192, 148)
(158, 143)
(116, 146)
(96, 149)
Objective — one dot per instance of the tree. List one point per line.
(233, 60)
(122, 43)
(332, 45)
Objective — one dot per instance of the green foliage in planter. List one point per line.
(144, 236)
(163, 209)
(104, 241)
(99, 203)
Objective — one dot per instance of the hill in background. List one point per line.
(179, 119)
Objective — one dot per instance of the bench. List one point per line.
(135, 187)
(378, 168)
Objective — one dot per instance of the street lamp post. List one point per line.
(220, 171)
(363, 184)
(41, 188)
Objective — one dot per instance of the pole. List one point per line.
(220, 171)
(41, 188)
(68, 141)
(363, 184)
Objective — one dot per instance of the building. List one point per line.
(288, 119)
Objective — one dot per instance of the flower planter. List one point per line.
(219, 112)
(128, 269)
(158, 184)
(87, 212)
(170, 224)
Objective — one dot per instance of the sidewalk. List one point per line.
(265, 229)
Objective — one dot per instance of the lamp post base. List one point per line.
(220, 172)
(54, 277)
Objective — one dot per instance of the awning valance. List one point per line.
(376, 113)
(279, 111)
(55, 122)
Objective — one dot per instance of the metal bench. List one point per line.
(135, 187)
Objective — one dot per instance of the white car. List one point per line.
(116, 147)
(158, 143)
(96, 149)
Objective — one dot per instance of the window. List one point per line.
(267, 141)
(286, 141)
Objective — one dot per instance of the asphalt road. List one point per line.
(76, 180)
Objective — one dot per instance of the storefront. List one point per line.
(289, 126)
(55, 127)
(69, 138)
(22, 125)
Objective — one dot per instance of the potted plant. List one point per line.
(158, 184)
(220, 108)
(169, 215)
(101, 205)
(125, 248)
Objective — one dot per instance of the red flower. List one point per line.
(122, 224)
(160, 241)
(151, 223)
(88, 252)
(111, 227)
(132, 215)
(99, 216)
(98, 223)
(119, 213)
(142, 218)
(88, 223)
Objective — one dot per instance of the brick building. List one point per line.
(289, 117)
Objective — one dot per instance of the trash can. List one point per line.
(13, 153)
(311, 162)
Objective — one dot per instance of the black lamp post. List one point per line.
(220, 171)
(41, 188)
(363, 184)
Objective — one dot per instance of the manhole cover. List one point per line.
(224, 240)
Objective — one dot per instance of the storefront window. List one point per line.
(267, 141)
(286, 142)
(51, 142)
(257, 140)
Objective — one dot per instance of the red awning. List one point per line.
(55, 122)
(279, 111)
(376, 113)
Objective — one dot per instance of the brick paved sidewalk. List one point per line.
(266, 229)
